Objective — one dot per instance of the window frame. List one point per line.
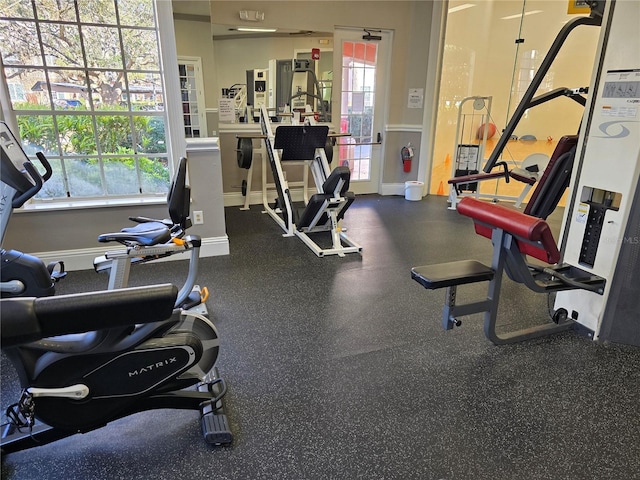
(174, 141)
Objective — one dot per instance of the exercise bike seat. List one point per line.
(144, 234)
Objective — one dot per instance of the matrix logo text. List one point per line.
(153, 366)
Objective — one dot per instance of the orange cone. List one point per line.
(441, 186)
(447, 160)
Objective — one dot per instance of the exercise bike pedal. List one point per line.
(213, 420)
(195, 302)
(215, 426)
(56, 270)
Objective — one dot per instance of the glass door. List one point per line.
(360, 70)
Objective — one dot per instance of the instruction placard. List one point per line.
(416, 98)
(226, 110)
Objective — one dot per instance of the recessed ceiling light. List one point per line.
(464, 6)
(532, 12)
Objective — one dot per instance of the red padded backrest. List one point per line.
(516, 223)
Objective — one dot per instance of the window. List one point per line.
(87, 89)
(529, 65)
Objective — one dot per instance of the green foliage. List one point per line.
(113, 134)
(38, 130)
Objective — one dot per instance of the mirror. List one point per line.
(264, 65)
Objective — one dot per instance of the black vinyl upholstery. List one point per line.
(179, 197)
(299, 142)
(333, 197)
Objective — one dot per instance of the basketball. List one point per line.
(491, 131)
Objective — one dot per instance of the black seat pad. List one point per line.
(145, 234)
(450, 274)
(330, 190)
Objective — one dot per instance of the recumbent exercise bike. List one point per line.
(137, 351)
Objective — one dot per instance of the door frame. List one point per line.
(381, 110)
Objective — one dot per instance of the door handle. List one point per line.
(377, 142)
(359, 144)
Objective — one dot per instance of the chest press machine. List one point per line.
(322, 212)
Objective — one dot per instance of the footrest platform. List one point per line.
(443, 275)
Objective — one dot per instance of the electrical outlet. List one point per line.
(198, 217)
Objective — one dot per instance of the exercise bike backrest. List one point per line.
(179, 197)
(178, 203)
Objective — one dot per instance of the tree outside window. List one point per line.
(86, 87)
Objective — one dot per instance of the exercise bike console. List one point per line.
(22, 274)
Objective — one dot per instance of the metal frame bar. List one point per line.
(118, 262)
(504, 253)
(594, 19)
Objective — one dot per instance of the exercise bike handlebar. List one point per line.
(36, 178)
(22, 196)
(30, 319)
(47, 166)
(18, 172)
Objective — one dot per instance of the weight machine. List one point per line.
(594, 272)
(601, 224)
(245, 148)
(305, 145)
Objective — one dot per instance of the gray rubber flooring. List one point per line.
(338, 368)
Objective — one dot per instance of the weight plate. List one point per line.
(244, 152)
(328, 150)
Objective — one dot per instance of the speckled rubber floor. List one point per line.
(338, 368)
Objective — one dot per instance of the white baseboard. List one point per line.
(235, 199)
(82, 259)
(393, 189)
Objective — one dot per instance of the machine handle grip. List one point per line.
(19, 200)
(505, 169)
(47, 166)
